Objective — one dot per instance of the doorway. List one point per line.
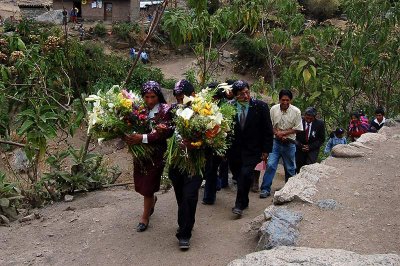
(78, 5)
(108, 11)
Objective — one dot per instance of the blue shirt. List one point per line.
(333, 142)
(239, 108)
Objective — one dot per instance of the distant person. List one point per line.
(74, 15)
(81, 31)
(310, 140)
(149, 17)
(132, 53)
(356, 127)
(144, 57)
(379, 120)
(336, 138)
(65, 16)
(286, 121)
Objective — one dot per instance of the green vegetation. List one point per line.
(123, 30)
(43, 82)
(100, 30)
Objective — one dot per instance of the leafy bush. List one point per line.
(123, 29)
(87, 172)
(322, 9)
(100, 30)
(251, 51)
(10, 197)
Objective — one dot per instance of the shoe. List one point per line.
(264, 194)
(184, 244)
(152, 209)
(141, 227)
(237, 211)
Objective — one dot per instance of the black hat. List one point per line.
(339, 131)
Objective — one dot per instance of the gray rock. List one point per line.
(328, 204)
(68, 198)
(280, 228)
(346, 151)
(4, 220)
(304, 256)
(19, 161)
(303, 185)
(391, 123)
(52, 16)
(254, 225)
(372, 137)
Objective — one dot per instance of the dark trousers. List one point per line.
(211, 177)
(223, 173)
(186, 192)
(305, 158)
(245, 177)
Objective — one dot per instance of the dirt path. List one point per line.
(99, 229)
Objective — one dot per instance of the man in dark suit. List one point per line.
(253, 138)
(310, 140)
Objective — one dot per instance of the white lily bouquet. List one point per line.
(200, 124)
(117, 112)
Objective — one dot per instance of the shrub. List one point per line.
(122, 29)
(10, 197)
(100, 30)
(322, 9)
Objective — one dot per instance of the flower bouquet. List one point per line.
(200, 125)
(116, 113)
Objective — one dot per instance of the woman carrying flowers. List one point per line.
(147, 173)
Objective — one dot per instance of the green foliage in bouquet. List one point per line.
(201, 128)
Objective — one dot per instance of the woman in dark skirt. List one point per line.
(147, 175)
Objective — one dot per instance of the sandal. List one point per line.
(152, 209)
(141, 227)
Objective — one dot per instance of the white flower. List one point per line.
(185, 114)
(93, 98)
(187, 99)
(215, 120)
(113, 88)
(100, 140)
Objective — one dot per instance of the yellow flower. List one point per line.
(196, 144)
(126, 103)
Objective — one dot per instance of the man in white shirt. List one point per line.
(286, 121)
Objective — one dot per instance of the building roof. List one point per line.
(34, 3)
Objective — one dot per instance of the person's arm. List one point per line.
(328, 146)
(320, 138)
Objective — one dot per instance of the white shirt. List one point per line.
(288, 119)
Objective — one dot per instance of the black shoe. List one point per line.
(141, 227)
(184, 244)
(152, 209)
(237, 211)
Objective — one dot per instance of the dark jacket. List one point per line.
(256, 137)
(315, 141)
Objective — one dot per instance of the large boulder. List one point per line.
(282, 256)
(52, 16)
(302, 186)
(346, 151)
(280, 228)
(372, 137)
(19, 162)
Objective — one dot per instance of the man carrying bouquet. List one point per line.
(253, 140)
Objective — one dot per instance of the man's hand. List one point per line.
(305, 148)
(133, 139)
(161, 128)
(264, 156)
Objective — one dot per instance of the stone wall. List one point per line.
(32, 12)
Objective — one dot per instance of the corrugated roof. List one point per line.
(34, 2)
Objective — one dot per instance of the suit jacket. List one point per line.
(316, 139)
(256, 137)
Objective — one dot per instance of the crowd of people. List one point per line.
(261, 135)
